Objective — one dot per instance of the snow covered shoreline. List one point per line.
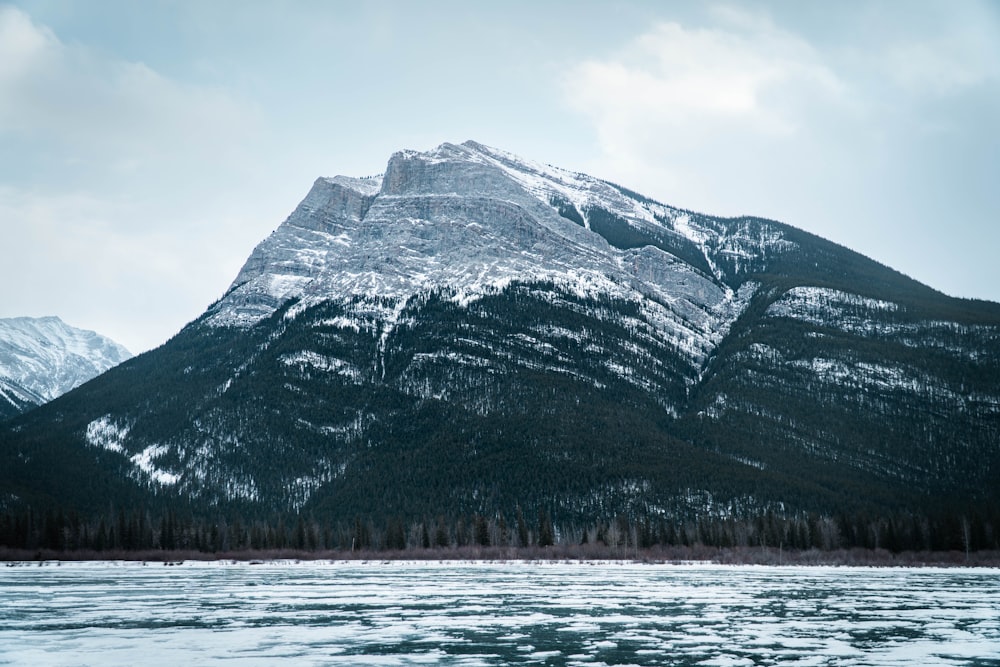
(695, 556)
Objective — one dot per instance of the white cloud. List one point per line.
(69, 254)
(23, 46)
(107, 112)
(745, 87)
(945, 64)
(675, 92)
(133, 199)
(673, 76)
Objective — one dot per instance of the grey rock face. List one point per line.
(470, 219)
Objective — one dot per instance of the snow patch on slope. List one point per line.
(308, 359)
(145, 461)
(107, 433)
(819, 305)
(875, 318)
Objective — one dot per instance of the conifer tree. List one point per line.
(546, 538)
(522, 529)
(482, 531)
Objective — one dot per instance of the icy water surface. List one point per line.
(495, 614)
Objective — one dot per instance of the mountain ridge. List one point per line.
(474, 333)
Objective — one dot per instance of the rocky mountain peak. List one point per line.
(469, 219)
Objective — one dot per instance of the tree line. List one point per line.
(137, 530)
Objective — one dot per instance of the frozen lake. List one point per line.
(349, 613)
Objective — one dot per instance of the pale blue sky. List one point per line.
(148, 146)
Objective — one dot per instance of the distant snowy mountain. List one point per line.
(42, 358)
(476, 333)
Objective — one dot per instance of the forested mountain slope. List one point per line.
(474, 333)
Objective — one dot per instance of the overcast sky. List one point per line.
(147, 147)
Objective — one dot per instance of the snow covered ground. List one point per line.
(350, 613)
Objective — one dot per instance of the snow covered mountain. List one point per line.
(472, 220)
(42, 358)
(472, 332)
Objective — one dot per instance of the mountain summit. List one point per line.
(475, 333)
(469, 221)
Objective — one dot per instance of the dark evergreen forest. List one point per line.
(534, 416)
